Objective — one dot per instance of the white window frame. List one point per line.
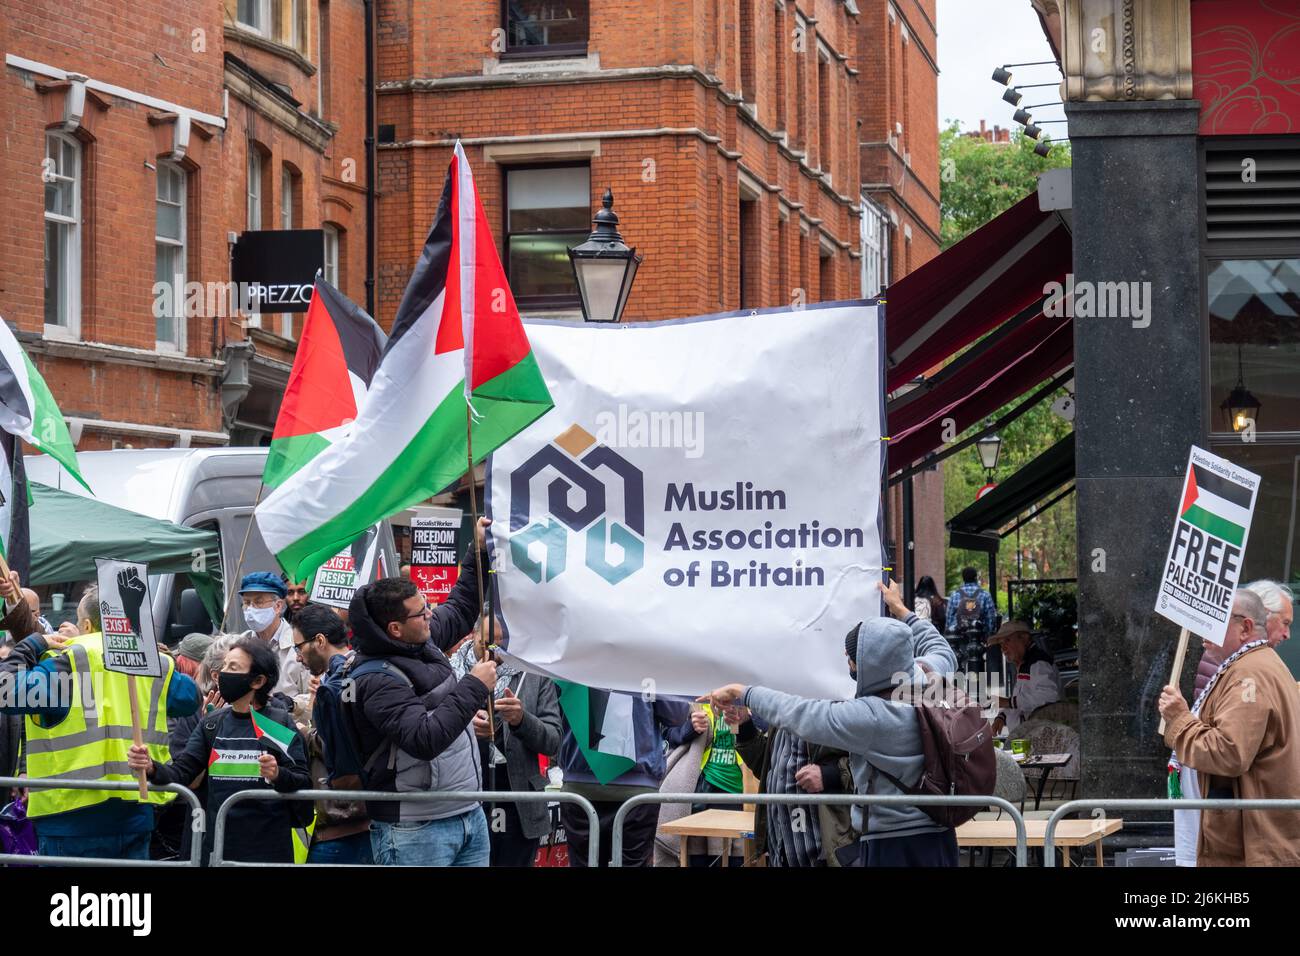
(177, 344)
(330, 268)
(70, 328)
(254, 196)
(262, 12)
(286, 198)
(875, 249)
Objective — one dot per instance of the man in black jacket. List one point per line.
(413, 718)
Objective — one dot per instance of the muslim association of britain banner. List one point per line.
(700, 506)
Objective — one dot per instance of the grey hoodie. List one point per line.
(877, 733)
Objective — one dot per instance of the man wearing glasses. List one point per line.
(1242, 737)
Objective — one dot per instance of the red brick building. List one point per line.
(138, 141)
(760, 153)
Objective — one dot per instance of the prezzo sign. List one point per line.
(621, 561)
(1208, 544)
(279, 267)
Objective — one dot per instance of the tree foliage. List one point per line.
(980, 180)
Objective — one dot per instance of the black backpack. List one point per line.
(958, 746)
(969, 617)
(351, 671)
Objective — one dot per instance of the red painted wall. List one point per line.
(1246, 65)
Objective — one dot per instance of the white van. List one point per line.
(212, 488)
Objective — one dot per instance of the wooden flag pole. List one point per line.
(137, 735)
(1180, 655)
(239, 565)
(483, 641)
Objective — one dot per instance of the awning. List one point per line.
(995, 273)
(978, 527)
(69, 532)
(977, 384)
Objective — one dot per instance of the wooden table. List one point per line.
(1069, 833)
(728, 825)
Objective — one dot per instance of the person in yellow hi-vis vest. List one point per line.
(79, 728)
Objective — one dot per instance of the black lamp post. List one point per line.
(604, 267)
(1240, 407)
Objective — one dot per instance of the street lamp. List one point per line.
(604, 267)
(989, 448)
(1241, 406)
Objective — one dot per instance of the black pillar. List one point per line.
(1136, 219)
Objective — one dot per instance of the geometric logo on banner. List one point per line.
(575, 506)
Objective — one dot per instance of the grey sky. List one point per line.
(974, 37)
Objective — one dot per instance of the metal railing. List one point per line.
(1153, 803)
(817, 799)
(376, 796)
(197, 820)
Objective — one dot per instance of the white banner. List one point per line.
(1208, 545)
(126, 618)
(700, 506)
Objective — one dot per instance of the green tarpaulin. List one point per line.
(69, 532)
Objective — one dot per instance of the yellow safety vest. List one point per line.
(93, 740)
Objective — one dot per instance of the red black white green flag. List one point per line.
(457, 339)
(337, 356)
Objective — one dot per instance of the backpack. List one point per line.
(958, 745)
(350, 747)
(968, 616)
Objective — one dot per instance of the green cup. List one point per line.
(1020, 746)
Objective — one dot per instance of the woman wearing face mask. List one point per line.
(227, 745)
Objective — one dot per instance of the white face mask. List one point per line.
(260, 618)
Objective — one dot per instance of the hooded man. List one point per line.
(880, 733)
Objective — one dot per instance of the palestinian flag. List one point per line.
(457, 338)
(268, 731)
(1215, 504)
(337, 357)
(15, 530)
(601, 722)
(27, 408)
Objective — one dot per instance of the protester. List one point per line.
(970, 607)
(1279, 601)
(413, 718)
(342, 833)
(883, 736)
(649, 724)
(1037, 682)
(720, 769)
(295, 597)
(1242, 737)
(59, 692)
(404, 570)
(34, 602)
(528, 725)
(237, 749)
(264, 597)
(929, 604)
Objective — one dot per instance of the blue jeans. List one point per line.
(348, 850)
(456, 841)
(114, 846)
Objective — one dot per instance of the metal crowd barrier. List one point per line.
(1158, 803)
(818, 799)
(357, 796)
(53, 783)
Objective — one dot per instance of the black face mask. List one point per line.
(234, 686)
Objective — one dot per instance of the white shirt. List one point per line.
(1040, 686)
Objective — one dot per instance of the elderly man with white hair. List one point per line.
(1242, 737)
(1279, 601)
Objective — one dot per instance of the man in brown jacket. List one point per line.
(1244, 743)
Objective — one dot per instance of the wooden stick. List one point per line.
(1179, 656)
(137, 736)
(239, 565)
(484, 640)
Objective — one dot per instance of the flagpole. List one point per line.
(239, 566)
(482, 642)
